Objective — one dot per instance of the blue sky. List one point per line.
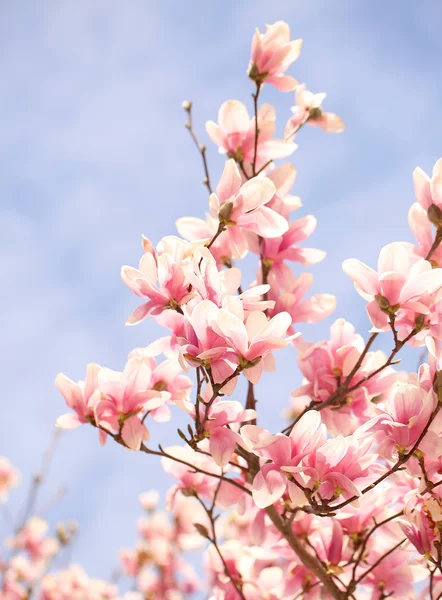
(94, 153)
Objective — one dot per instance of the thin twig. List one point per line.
(255, 97)
(201, 147)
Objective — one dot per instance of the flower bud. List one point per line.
(315, 114)
(434, 214)
(202, 530)
(187, 105)
(225, 212)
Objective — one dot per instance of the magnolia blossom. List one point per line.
(161, 277)
(82, 398)
(241, 208)
(9, 477)
(123, 396)
(403, 418)
(283, 178)
(306, 462)
(401, 281)
(275, 251)
(193, 228)
(423, 232)
(218, 422)
(429, 190)
(32, 538)
(235, 135)
(291, 298)
(308, 109)
(326, 365)
(272, 54)
(74, 584)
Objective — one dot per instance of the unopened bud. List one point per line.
(187, 105)
(419, 322)
(225, 212)
(202, 530)
(437, 385)
(385, 305)
(382, 302)
(315, 114)
(434, 214)
(62, 534)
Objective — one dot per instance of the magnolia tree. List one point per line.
(344, 502)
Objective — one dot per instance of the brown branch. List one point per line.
(364, 545)
(342, 389)
(221, 228)
(255, 97)
(201, 147)
(39, 478)
(212, 538)
(398, 464)
(251, 400)
(378, 562)
(305, 557)
(435, 245)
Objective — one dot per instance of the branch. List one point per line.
(436, 244)
(255, 97)
(342, 389)
(307, 559)
(213, 540)
(201, 147)
(39, 478)
(378, 562)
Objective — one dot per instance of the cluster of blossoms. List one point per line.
(345, 501)
(30, 559)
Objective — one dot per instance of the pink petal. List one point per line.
(365, 279)
(230, 181)
(68, 421)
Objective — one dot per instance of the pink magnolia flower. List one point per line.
(123, 396)
(330, 545)
(342, 466)
(241, 208)
(400, 282)
(283, 452)
(423, 232)
(327, 364)
(402, 419)
(201, 344)
(276, 250)
(194, 229)
(272, 54)
(149, 500)
(72, 584)
(11, 589)
(393, 576)
(9, 477)
(190, 481)
(429, 190)
(167, 382)
(235, 134)
(283, 202)
(290, 298)
(32, 538)
(252, 339)
(222, 437)
(162, 278)
(82, 398)
(308, 109)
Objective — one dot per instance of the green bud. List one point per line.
(225, 212)
(315, 114)
(202, 530)
(434, 214)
